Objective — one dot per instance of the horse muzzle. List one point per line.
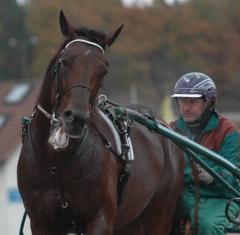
(74, 121)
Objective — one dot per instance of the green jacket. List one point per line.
(221, 136)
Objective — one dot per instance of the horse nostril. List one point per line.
(74, 121)
(68, 116)
(75, 117)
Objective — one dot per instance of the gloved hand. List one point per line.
(204, 176)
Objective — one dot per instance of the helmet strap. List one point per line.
(201, 122)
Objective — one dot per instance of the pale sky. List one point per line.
(21, 2)
(140, 3)
(172, 1)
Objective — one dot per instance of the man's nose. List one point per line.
(186, 106)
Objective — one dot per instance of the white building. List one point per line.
(16, 100)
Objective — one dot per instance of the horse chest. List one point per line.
(71, 182)
(67, 181)
(61, 193)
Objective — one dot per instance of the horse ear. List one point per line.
(66, 28)
(109, 40)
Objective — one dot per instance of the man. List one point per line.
(195, 94)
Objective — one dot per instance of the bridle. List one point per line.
(59, 91)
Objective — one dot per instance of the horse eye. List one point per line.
(64, 62)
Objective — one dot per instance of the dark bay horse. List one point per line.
(67, 177)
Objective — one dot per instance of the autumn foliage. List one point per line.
(158, 44)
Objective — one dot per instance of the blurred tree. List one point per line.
(44, 14)
(158, 44)
(159, 3)
(12, 33)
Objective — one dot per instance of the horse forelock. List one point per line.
(92, 35)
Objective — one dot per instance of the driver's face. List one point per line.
(191, 108)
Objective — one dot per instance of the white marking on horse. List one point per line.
(87, 52)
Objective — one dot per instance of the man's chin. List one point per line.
(189, 119)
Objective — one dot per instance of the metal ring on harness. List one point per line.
(108, 145)
(102, 99)
(64, 205)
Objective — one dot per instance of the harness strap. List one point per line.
(125, 174)
(197, 195)
(126, 155)
(126, 170)
(108, 144)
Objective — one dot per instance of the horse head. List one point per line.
(79, 71)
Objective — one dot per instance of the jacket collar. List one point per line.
(212, 124)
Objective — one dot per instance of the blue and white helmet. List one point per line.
(195, 85)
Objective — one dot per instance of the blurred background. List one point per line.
(161, 40)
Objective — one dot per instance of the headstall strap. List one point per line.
(85, 41)
(60, 92)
